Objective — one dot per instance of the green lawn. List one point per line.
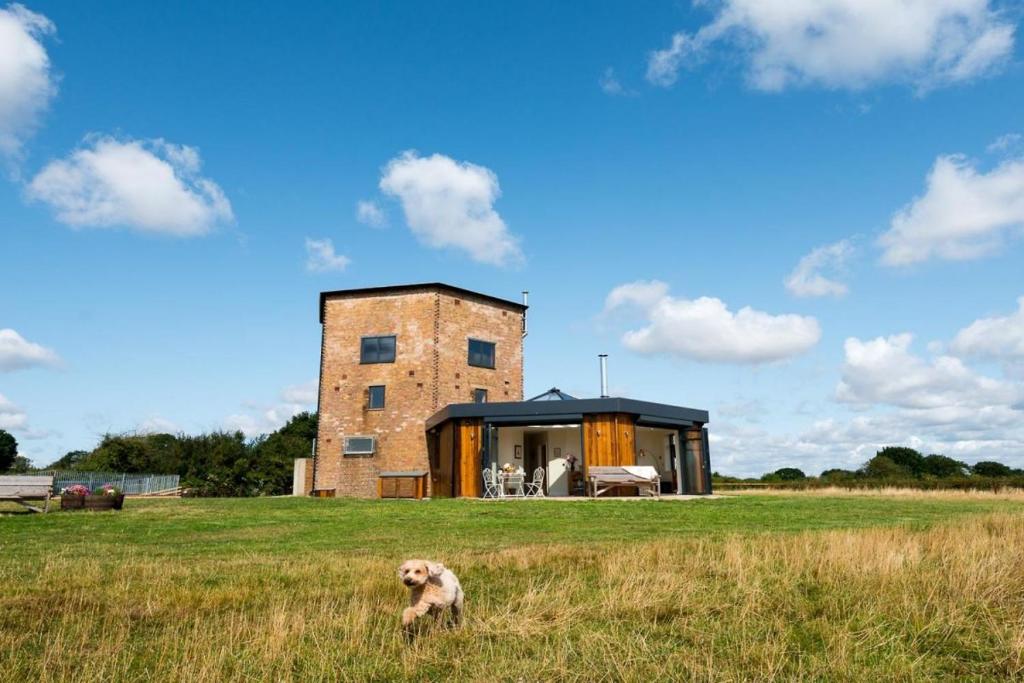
(283, 527)
(797, 586)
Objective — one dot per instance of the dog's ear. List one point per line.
(435, 568)
(401, 570)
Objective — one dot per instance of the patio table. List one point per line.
(511, 481)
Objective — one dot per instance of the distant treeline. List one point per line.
(215, 464)
(899, 466)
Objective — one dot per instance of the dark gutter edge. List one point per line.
(319, 392)
(527, 410)
(429, 286)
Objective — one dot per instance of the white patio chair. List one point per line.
(535, 488)
(491, 487)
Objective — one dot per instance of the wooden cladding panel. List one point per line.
(694, 450)
(469, 458)
(609, 439)
(441, 476)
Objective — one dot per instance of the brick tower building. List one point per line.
(393, 356)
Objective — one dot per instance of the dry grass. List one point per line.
(1012, 494)
(895, 603)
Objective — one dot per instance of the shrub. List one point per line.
(987, 468)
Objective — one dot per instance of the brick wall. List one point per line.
(429, 372)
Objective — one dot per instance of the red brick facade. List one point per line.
(432, 326)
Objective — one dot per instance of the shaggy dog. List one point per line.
(432, 588)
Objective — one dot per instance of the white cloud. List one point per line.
(449, 203)
(807, 279)
(884, 371)
(1004, 143)
(663, 65)
(158, 425)
(370, 213)
(610, 84)
(26, 83)
(17, 353)
(321, 257)
(705, 329)
(751, 450)
(303, 394)
(12, 418)
(936, 405)
(145, 185)
(998, 338)
(963, 214)
(847, 43)
(264, 419)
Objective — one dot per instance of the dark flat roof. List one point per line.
(430, 286)
(523, 412)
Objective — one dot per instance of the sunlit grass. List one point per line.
(739, 588)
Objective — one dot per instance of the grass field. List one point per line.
(749, 587)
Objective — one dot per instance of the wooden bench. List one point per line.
(646, 479)
(23, 488)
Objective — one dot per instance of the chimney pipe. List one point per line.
(526, 302)
(603, 357)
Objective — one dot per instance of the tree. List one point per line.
(8, 450)
(942, 466)
(988, 468)
(907, 458)
(837, 474)
(275, 455)
(881, 467)
(785, 474)
(213, 464)
(68, 461)
(21, 465)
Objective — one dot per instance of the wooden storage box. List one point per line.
(402, 484)
(91, 502)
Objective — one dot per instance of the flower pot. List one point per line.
(92, 502)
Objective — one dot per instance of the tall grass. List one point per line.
(1012, 494)
(893, 603)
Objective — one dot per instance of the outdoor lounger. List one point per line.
(644, 477)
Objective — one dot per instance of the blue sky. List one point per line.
(804, 217)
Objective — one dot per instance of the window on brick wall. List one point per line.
(481, 353)
(359, 446)
(479, 396)
(377, 350)
(375, 397)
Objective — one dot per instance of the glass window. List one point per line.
(377, 350)
(481, 353)
(359, 446)
(479, 396)
(376, 398)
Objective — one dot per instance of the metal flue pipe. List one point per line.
(603, 358)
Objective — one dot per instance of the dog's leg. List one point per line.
(410, 615)
(457, 608)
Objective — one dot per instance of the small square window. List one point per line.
(377, 350)
(481, 353)
(375, 400)
(479, 396)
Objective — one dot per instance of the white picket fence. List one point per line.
(130, 484)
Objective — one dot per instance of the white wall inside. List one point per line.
(652, 449)
(508, 439)
(561, 440)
